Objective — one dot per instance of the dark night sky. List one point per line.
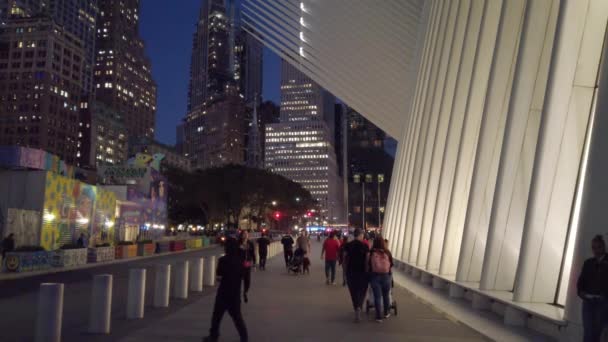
(167, 31)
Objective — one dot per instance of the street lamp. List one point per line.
(380, 180)
(274, 203)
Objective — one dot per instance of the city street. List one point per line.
(19, 297)
(292, 308)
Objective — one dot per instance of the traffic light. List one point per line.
(309, 214)
(277, 215)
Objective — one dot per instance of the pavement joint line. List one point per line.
(23, 275)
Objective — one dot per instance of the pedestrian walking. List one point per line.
(287, 242)
(380, 264)
(303, 242)
(230, 271)
(592, 288)
(329, 253)
(263, 243)
(8, 244)
(341, 258)
(247, 250)
(356, 257)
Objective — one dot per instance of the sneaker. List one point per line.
(326, 281)
(333, 283)
(209, 339)
(245, 298)
(358, 316)
(387, 315)
(378, 320)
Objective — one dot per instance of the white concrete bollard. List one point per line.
(209, 278)
(180, 290)
(137, 293)
(196, 275)
(101, 304)
(50, 313)
(161, 286)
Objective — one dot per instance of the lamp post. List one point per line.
(380, 180)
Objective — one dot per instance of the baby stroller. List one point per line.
(369, 303)
(296, 263)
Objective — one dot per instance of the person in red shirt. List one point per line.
(329, 253)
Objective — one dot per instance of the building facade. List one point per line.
(210, 64)
(498, 106)
(123, 75)
(215, 134)
(103, 136)
(41, 86)
(225, 84)
(79, 17)
(369, 171)
(301, 147)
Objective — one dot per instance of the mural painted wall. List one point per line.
(25, 225)
(31, 158)
(72, 208)
(146, 192)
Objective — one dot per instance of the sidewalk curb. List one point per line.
(15, 276)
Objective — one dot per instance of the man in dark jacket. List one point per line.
(287, 242)
(592, 287)
(230, 270)
(356, 256)
(263, 243)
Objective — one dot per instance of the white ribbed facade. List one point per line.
(500, 169)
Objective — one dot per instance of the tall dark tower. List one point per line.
(123, 73)
(210, 63)
(254, 145)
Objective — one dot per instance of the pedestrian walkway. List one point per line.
(290, 308)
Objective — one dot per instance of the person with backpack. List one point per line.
(380, 264)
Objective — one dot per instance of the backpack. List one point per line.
(380, 262)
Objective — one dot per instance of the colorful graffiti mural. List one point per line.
(72, 208)
(146, 192)
(31, 158)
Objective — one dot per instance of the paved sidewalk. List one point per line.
(302, 308)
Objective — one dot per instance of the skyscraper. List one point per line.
(210, 64)
(301, 147)
(79, 17)
(215, 133)
(248, 66)
(41, 86)
(123, 75)
(254, 144)
(225, 79)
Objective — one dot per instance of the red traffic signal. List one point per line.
(277, 215)
(309, 214)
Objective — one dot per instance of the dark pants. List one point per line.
(381, 286)
(357, 286)
(233, 306)
(595, 319)
(247, 279)
(330, 270)
(263, 257)
(288, 254)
